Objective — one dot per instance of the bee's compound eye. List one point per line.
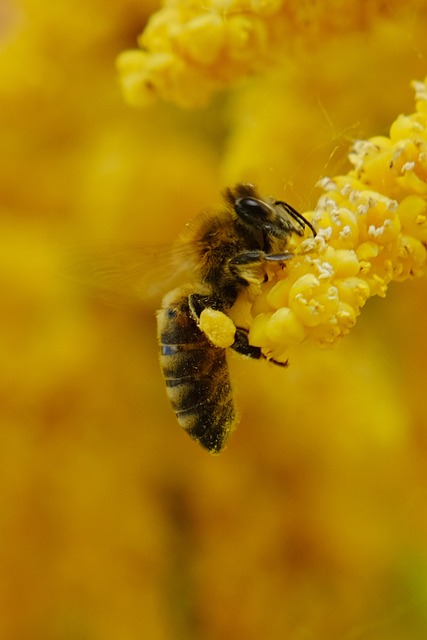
(171, 313)
(251, 210)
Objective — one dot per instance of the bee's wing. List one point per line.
(131, 273)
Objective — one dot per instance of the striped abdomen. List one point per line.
(196, 375)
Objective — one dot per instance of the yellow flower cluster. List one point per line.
(371, 229)
(192, 48)
(189, 49)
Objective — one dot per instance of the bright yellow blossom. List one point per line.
(371, 229)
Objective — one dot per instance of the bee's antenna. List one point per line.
(297, 216)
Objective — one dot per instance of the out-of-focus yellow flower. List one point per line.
(188, 50)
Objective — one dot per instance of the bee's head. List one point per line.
(276, 218)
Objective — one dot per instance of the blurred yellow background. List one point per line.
(113, 523)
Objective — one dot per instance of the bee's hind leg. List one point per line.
(241, 345)
(197, 303)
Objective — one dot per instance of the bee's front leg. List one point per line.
(241, 345)
(245, 264)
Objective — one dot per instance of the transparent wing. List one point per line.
(131, 273)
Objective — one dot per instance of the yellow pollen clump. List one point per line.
(218, 327)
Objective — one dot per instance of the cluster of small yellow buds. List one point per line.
(371, 229)
(190, 49)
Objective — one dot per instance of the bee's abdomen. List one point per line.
(196, 375)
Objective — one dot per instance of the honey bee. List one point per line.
(225, 251)
(248, 232)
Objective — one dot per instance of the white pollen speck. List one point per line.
(408, 166)
(354, 196)
(325, 233)
(336, 218)
(392, 205)
(317, 217)
(329, 203)
(359, 151)
(375, 232)
(320, 243)
(326, 183)
(362, 209)
(363, 147)
(332, 293)
(345, 232)
(420, 90)
(307, 245)
(325, 270)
